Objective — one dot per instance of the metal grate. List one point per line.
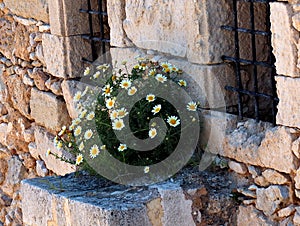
(251, 31)
(98, 29)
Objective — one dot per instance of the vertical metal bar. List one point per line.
(93, 47)
(272, 62)
(237, 56)
(101, 23)
(254, 71)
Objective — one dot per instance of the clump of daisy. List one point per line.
(173, 121)
(191, 106)
(94, 151)
(77, 131)
(152, 133)
(156, 109)
(150, 97)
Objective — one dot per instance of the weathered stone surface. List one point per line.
(296, 21)
(6, 37)
(63, 55)
(296, 148)
(44, 141)
(39, 78)
(167, 20)
(287, 211)
(289, 98)
(41, 169)
(48, 110)
(66, 20)
(284, 40)
(274, 177)
(19, 94)
(21, 42)
(270, 199)
(237, 167)
(297, 179)
(296, 218)
(259, 144)
(250, 216)
(24, 8)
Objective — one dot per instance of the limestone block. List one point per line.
(261, 146)
(297, 179)
(6, 37)
(274, 177)
(287, 211)
(296, 21)
(48, 110)
(289, 98)
(19, 94)
(63, 55)
(250, 216)
(269, 199)
(66, 20)
(44, 141)
(189, 29)
(69, 88)
(37, 9)
(237, 167)
(284, 40)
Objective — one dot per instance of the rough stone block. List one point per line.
(6, 37)
(48, 110)
(289, 98)
(37, 9)
(284, 40)
(259, 144)
(63, 55)
(66, 20)
(44, 141)
(250, 216)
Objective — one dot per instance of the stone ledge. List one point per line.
(187, 200)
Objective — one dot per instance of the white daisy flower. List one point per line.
(110, 103)
(191, 106)
(83, 114)
(182, 82)
(88, 134)
(152, 133)
(156, 109)
(146, 169)
(173, 121)
(77, 96)
(59, 145)
(94, 151)
(125, 84)
(122, 113)
(87, 71)
(152, 72)
(107, 90)
(161, 78)
(79, 159)
(132, 90)
(81, 146)
(113, 115)
(118, 124)
(97, 75)
(150, 97)
(122, 147)
(90, 116)
(77, 131)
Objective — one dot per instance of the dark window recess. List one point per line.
(98, 35)
(252, 61)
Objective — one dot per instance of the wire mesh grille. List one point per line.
(251, 31)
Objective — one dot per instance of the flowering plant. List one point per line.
(136, 115)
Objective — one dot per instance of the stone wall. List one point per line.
(41, 62)
(40, 50)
